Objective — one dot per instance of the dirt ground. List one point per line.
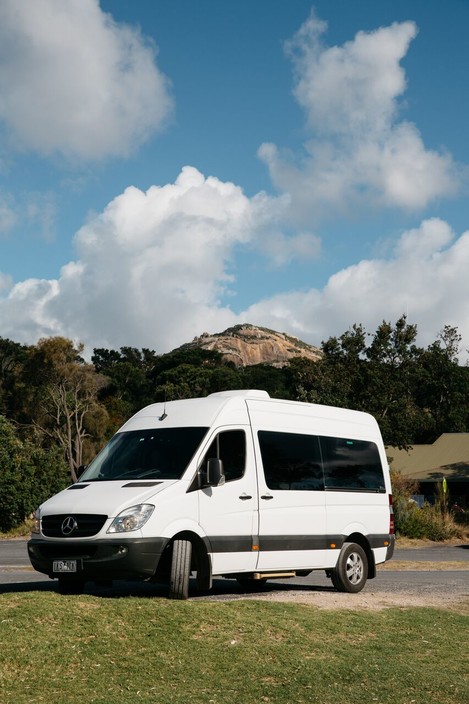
(373, 599)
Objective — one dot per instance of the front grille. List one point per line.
(72, 525)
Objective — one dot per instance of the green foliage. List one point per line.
(414, 394)
(461, 516)
(13, 357)
(403, 489)
(427, 522)
(28, 475)
(431, 522)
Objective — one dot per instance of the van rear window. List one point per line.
(351, 465)
(146, 454)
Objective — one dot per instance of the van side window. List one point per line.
(230, 447)
(351, 465)
(291, 461)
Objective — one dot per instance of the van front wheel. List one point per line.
(351, 572)
(180, 569)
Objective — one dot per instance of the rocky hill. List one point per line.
(246, 344)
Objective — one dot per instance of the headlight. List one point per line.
(131, 518)
(36, 527)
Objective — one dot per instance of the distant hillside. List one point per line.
(246, 345)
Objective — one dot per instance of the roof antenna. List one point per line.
(164, 414)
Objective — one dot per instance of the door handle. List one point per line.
(267, 497)
(245, 497)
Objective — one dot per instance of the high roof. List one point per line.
(446, 457)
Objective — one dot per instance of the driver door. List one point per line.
(228, 514)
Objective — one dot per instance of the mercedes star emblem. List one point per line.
(69, 525)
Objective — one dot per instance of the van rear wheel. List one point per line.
(180, 569)
(351, 572)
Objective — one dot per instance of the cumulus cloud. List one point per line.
(426, 278)
(150, 269)
(75, 82)
(360, 152)
(281, 249)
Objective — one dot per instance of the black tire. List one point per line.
(351, 572)
(71, 586)
(180, 569)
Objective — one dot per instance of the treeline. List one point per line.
(52, 401)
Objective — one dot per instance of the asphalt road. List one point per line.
(16, 575)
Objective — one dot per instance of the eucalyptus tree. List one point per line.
(67, 409)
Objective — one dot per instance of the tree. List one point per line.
(442, 387)
(12, 388)
(130, 381)
(335, 379)
(389, 389)
(68, 410)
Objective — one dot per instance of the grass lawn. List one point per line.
(58, 649)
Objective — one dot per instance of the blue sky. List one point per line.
(168, 169)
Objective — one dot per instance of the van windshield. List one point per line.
(146, 454)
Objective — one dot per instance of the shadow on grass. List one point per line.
(223, 589)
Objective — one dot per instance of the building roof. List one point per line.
(446, 457)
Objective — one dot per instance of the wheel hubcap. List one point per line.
(354, 568)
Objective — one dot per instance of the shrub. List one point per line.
(430, 522)
(427, 522)
(403, 489)
(28, 475)
(461, 516)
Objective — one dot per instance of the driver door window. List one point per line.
(230, 447)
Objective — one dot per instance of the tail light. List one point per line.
(391, 516)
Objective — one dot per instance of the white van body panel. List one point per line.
(242, 525)
(104, 499)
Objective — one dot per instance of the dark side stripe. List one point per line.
(283, 543)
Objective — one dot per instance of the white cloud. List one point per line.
(150, 269)
(426, 278)
(281, 249)
(75, 82)
(360, 152)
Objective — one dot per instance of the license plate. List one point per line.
(66, 566)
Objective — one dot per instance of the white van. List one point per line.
(237, 485)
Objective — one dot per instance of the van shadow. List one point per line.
(222, 589)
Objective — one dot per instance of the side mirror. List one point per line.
(215, 472)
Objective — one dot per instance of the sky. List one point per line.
(174, 168)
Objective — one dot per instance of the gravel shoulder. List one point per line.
(370, 600)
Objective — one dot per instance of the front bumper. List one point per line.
(134, 558)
